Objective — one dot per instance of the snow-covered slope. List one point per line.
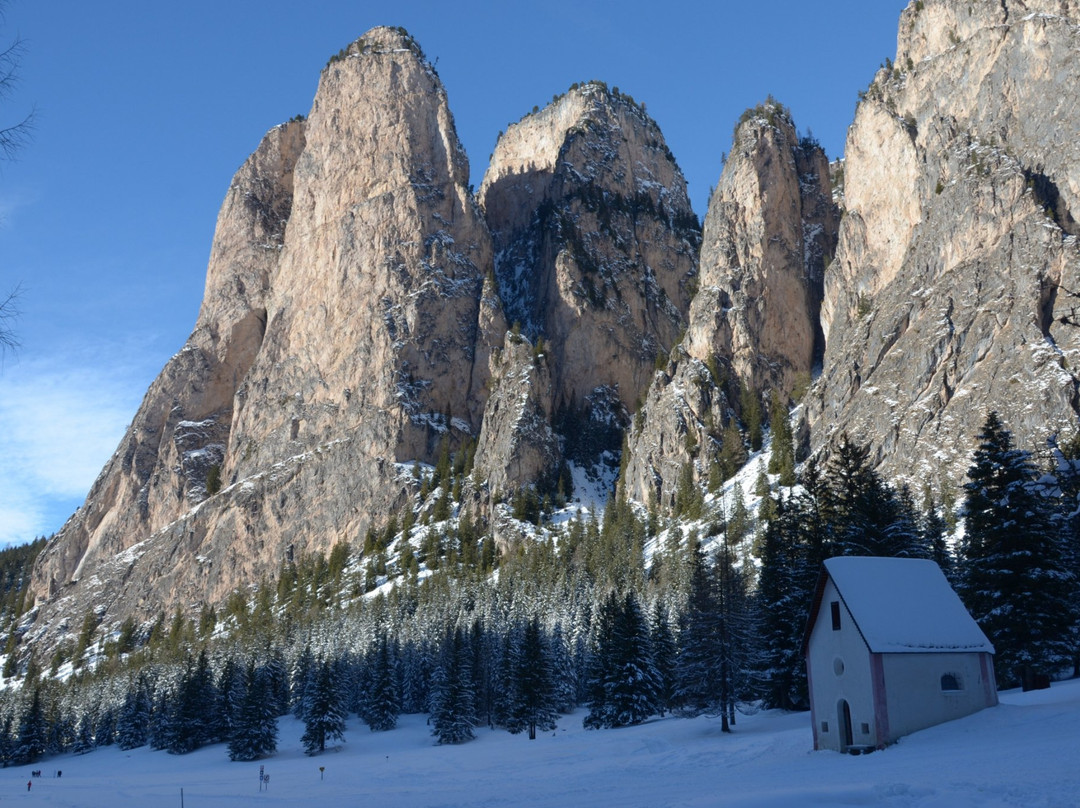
(1021, 753)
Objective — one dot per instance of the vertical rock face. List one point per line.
(954, 286)
(770, 227)
(517, 445)
(346, 326)
(374, 321)
(595, 241)
(182, 428)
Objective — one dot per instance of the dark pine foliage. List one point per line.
(324, 710)
(453, 700)
(1015, 580)
(254, 731)
(532, 695)
(624, 684)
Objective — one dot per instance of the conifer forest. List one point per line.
(632, 615)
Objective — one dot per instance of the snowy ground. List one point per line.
(1022, 753)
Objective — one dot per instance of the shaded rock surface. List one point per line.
(517, 445)
(595, 239)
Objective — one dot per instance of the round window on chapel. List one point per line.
(838, 666)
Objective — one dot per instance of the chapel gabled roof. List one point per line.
(901, 605)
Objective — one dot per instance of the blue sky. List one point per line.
(145, 110)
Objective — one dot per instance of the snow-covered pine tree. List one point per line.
(564, 669)
(382, 704)
(1067, 524)
(104, 725)
(624, 684)
(858, 504)
(255, 727)
(62, 730)
(33, 731)
(159, 728)
(902, 537)
(231, 689)
(665, 653)
(697, 672)
(781, 600)
(324, 713)
(453, 705)
(300, 677)
(1014, 579)
(935, 537)
(195, 708)
(532, 704)
(276, 671)
(132, 724)
(7, 741)
(84, 735)
(415, 661)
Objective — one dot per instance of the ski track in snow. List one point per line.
(1021, 753)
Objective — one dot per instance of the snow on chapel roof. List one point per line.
(904, 605)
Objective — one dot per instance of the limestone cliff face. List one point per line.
(770, 227)
(182, 428)
(954, 287)
(517, 445)
(595, 241)
(346, 327)
(680, 422)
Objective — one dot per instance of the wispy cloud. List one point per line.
(61, 418)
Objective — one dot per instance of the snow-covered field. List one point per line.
(1025, 752)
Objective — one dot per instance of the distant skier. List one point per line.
(28, 784)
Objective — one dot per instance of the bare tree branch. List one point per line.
(9, 312)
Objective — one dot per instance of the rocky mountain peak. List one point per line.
(346, 326)
(595, 239)
(770, 228)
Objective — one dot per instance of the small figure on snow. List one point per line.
(28, 784)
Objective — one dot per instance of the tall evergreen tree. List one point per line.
(453, 702)
(858, 504)
(255, 728)
(782, 454)
(532, 704)
(324, 714)
(193, 721)
(782, 601)
(231, 689)
(132, 725)
(697, 676)
(624, 684)
(84, 736)
(1014, 579)
(935, 538)
(665, 653)
(382, 703)
(1067, 524)
(302, 674)
(33, 731)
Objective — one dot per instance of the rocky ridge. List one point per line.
(954, 286)
(596, 241)
(346, 329)
(353, 326)
(753, 325)
(358, 300)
